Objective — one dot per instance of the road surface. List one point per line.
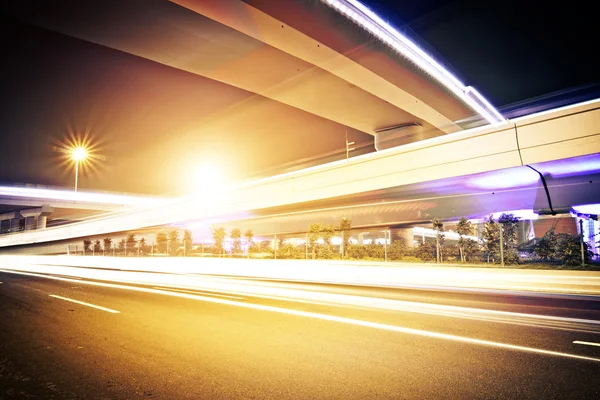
(227, 338)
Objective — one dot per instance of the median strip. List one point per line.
(85, 304)
(587, 343)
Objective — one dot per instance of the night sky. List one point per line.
(508, 50)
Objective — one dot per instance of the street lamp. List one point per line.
(78, 154)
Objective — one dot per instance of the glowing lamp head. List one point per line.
(79, 154)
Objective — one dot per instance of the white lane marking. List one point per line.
(198, 292)
(587, 343)
(85, 304)
(325, 317)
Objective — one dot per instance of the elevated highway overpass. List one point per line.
(300, 65)
(564, 134)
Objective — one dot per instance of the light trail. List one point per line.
(198, 292)
(330, 318)
(587, 343)
(110, 310)
(278, 291)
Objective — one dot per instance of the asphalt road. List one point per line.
(309, 342)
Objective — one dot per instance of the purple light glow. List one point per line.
(503, 179)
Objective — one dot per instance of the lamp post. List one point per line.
(78, 154)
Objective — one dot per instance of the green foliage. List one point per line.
(510, 225)
(97, 246)
(463, 228)
(219, 238)
(375, 250)
(173, 242)
(325, 252)
(87, 243)
(131, 244)
(357, 251)
(327, 233)
(107, 243)
(345, 229)
(122, 243)
(438, 226)
(397, 250)
(471, 250)
(314, 234)
(451, 252)
(426, 250)
(491, 237)
(161, 242)
(236, 234)
(143, 247)
(290, 251)
(546, 246)
(249, 235)
(188, 241)
(568, 249)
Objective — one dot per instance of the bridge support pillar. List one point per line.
(15, 224)
(361, 238)
(41, 221)
(29, 223)
(36, 217)
(406, 234)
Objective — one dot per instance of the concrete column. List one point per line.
(29, 223)
(14, 224)
(360, 238)
(406, 234)
(41, 222)
(36, 217)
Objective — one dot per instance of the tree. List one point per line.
(545, 247)
(122, 244)
(187, 241)
(397, 249)
(131, 243)
(236, 234)
(427, 250)
(86, 246)
(327, 233)
(375, 250)
(491, 237)
(107, 243)
(345, 228)
(438, 227)
(249, 235)
(219, 238)
(161, 242)
(357, 251)
(314, 234)
(97, 247)
(143, 247)
(463, 228)
(173, 242)
(569, 249)
(471, 249)
(510, 225)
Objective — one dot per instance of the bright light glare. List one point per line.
(79, 154)
(208, 178)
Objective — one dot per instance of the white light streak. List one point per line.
(83, 197)
(85, 304)
(587, 343)
(198, 292)
(333, 318)
(370, 21)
